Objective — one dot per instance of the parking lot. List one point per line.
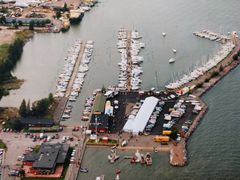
(18, 144)
(126, 101)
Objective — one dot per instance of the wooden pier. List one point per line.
(75, 71)
(129, 60)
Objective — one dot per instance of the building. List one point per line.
(99, 104)
(36, 122)
(47, 159)
(137, 124)
(99, 122)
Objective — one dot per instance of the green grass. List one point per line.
(2, 145)
(23, 35)
(3, 52)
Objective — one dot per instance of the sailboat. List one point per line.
(172, 60)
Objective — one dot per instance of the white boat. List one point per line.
(174, 50)
(100, 177)
(164, 34)
(148, 159)
(172, 60)
(113, 156)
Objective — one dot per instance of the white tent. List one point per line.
(138, 124)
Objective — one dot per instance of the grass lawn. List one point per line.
(2, 145)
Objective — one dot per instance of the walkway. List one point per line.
(75, 71)
(129, 60)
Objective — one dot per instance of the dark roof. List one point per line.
(48, 156)
(63, 153)
(102, 121)
(99, 103)
(30, 157)
(36, 121)
(25, 20)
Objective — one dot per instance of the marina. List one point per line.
(202, 145)
(72, 78)
(199, 71)
(130, 70)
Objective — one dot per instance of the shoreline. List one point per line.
(178, 155)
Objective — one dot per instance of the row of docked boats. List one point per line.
(212, 36)
(82, 69)
(130, 70)
(199, 71)
(66, 74)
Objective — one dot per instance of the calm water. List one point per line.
(214, 147)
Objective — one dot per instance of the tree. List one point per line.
(103, 89)
(235, 57)
(58, 14)
(16, 25)
(50, 98)
(20, 23)
(17, 125)
(174, 134)
(31, 25)
(13, 21)
(28, 109)
(23, 108)
(3, 20)
(65, 8)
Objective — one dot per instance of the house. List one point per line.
(99, 122)
(47, 159)
(36, 122)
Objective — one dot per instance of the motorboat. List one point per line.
(148, 159)
(172, 60)
(174, 50)
(164, 34)
(83, 170)
(113, 156)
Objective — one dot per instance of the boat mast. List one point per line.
(156, 78)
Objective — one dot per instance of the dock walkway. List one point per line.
(75, 71)
(129, 61)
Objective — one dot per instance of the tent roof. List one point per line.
(138, 124)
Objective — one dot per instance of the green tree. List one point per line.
(38, 24)
(20, 23)
(3, 20)
(28, 109)
(17, 125)
(235, 57)
(174, 134)
(58, 14)
(16, 25)
(65, 8)
(103, 89)
(31, 25)
(13, 21)
(23, 108)
(50, 98)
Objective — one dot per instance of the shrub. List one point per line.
(199, 85)
(235, 57)
(214, 74)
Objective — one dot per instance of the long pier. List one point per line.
(75, 71)
(129, 61)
